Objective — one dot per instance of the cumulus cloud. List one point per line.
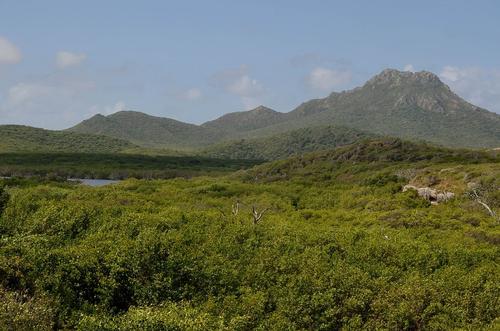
(107, 110)
(192, 94)
(409, 67)
(239, 82)
(9, 53)
(26, 92)
(48, 101)
(66, 59)
(325, 79)
(452, 74)
(245, 86)
(119, 106)
(479, 86)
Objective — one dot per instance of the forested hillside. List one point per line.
(18, 138)
(114, 166)
(288, 143)
(148, 131)
(325, 241)
(244, 121)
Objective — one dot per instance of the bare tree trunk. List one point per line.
(478, 200)
(256, 215)
(492, 213)
(235, 208)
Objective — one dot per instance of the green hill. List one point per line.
(17, 138)
(378, 153)
(286, 144)
(148, 131)
(235, 123)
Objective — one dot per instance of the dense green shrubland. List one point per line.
(285, 144)
(340, 247)
(114, 166)
(20, 138)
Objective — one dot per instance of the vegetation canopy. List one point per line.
(324, 241)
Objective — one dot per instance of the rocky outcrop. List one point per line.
(430, 194)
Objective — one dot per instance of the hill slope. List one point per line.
(146, 130)
(18, 138)
(379, 153)
(286, 144)
(244, 121)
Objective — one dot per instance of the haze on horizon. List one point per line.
(63, 62)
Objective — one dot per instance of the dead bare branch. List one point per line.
(235, 208)
(257, 216)
(478, 200)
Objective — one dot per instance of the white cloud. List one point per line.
(49, 102)
(245, 86)
(67, 59)
(106, 110)
(250, 102)
(409, 67)
(327, 79)
(26, 92)
(238, 82)
(9, 53)
(452, 74)
(192, 94)
(119, 106)
(477, 85)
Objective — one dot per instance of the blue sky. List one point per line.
(64, 61)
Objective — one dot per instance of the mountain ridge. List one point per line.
(395, 103)
(258, 117)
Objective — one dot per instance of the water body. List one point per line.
(94, 182)
(84, 181)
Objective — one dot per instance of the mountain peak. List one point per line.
(128, 113)
(260, 110)
(396, 77)
(97, 116)
(256, 118)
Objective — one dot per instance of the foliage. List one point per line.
(148, 131)
(113, 166)
(286, 144)
(340, 247)
(19, 311)
(244, 121)
(4, 198)
(17, 138)
(373, 153)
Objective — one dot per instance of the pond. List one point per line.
(85, 181)
(94, 182)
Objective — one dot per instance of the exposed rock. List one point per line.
(424, 102)
(473, 186)
(430, 194)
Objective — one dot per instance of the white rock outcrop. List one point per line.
(434, 196)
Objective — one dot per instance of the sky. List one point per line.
(65, 61)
